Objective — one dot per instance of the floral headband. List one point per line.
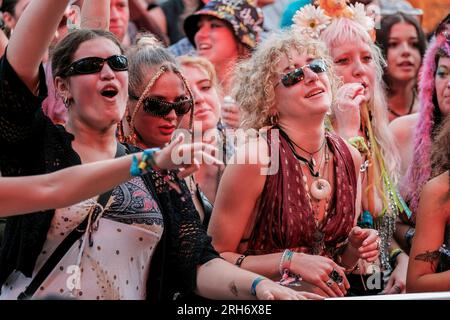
(311, 20)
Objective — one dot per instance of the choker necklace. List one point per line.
(311, 163)
(410, 107)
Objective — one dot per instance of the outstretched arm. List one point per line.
(62, 188)
(236, 283)
(42, 17)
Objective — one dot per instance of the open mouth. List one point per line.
(109, 93)
(406, 64)
(204, 46)
(314, 93)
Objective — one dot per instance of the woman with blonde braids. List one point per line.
(360, 117)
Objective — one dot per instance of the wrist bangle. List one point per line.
(255, 283)
(285, 261)
(393, 255)
(409, 235)
(239, 260)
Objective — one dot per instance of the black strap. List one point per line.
(66, 244)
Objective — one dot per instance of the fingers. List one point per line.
(396, 289)
(309, 295)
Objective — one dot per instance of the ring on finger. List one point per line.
(329, 282)
(335, 276)
(378, 244)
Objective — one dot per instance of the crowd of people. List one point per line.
(148, 146)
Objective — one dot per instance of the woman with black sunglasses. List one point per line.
(296, 222)
(139, 223)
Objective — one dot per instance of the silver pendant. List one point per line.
(320, 189)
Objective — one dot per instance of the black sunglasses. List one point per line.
(161, 108)
(297, 75)
(95, 64)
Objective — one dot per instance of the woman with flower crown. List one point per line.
(297, 220)
(360, 117)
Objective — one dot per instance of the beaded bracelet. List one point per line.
(146, 164)
(285, 261)
(255, 283)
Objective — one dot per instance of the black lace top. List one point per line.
(31, 144)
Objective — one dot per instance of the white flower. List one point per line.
(360, 16)
(310, 20)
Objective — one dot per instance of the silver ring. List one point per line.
(329, 282)
(378, 244)
(397, 288)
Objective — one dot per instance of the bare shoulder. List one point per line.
(356, 156)
(403, 127)
(435, 194)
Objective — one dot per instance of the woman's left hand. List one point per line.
(366, 242)
(187, 157)
(269, 290)
(397, 279)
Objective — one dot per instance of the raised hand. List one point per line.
(347, 109)
(230, 113)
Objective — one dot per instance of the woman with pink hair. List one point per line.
(434, 93)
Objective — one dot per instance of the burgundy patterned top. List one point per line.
(285, 219)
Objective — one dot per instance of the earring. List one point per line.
(66, 102)
(273, 119)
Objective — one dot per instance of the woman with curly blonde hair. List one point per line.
(298, 222)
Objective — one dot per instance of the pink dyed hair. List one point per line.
(420, 169)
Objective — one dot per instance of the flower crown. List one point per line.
(311, 20)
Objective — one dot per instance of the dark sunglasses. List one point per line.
(161, 108)
(95, 64)
(297, 75)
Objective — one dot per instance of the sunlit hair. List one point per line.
(148, 56)
(341, 32)
(256, 77)
(203, 64)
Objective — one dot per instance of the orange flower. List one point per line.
(334, 8)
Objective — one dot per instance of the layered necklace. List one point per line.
(320, 188)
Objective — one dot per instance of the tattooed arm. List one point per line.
(433, 216)
(218, 279)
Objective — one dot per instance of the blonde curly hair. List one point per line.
(255, 78)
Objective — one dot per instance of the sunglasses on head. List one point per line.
(161, 108)
(95, 64)
(297, 75)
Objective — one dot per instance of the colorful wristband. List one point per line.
(146, 164)
(255, 283)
